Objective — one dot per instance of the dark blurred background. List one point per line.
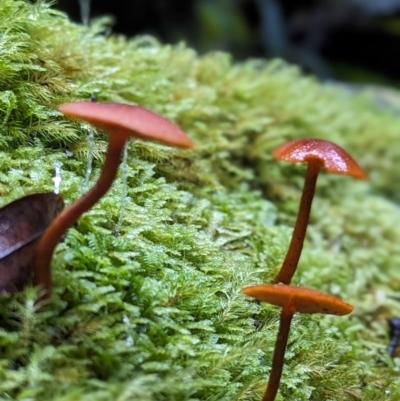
(350, 40)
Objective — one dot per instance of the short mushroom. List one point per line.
(292, 299)
(317, 153)
(121, 122)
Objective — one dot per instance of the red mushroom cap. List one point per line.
(128, 120)
(303, 299)
(333, 157)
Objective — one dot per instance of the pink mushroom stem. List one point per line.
(279, 353)
(69, 216)
(291, 261)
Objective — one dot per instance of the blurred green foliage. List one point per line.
(349, 40)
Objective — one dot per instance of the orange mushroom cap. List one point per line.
(303, 299)
(128, 120)
(333, 157)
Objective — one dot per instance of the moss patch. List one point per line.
(155, 312)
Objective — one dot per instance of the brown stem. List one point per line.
(68, 217)
(279, 353)
(291, 261)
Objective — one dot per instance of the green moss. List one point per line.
(156, 312)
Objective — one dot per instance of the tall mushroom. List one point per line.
(292, 299)
(317, 153)
(120, 121)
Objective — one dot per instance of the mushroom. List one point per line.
(292, 299)
(120, 121)
(317, 153)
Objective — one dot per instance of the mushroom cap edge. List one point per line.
(305, 300)
(129, 120)
(334, 158)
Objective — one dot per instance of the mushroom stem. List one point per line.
(68, 217)
(291, 261)
(279, 353)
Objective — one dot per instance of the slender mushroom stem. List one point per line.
(68, 217)
(291, 261)
(279, 353)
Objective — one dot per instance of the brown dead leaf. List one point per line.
(22, 222)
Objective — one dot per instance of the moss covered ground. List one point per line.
(147, 303)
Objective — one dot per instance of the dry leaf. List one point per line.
(22, 222)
